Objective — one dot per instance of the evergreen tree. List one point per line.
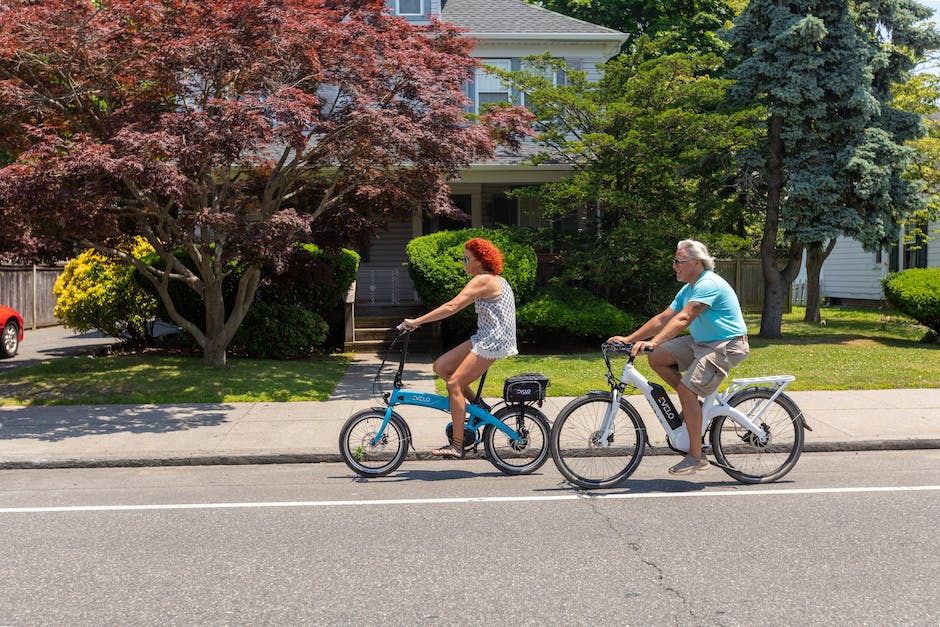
(833, 157)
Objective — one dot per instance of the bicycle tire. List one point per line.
(518, 457)
(577, 454)
(738, 452)
(373, 460)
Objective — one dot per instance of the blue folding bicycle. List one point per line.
(514, 433)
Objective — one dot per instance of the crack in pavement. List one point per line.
(659, 575)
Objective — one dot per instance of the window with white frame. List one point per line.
(547, 72)
(490, 89)
(409, 7)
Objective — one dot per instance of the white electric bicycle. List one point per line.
(599, 438)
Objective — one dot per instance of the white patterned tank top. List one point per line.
(496, 325)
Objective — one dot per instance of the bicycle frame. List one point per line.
(715, 404)
(479, 417)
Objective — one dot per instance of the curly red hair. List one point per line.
(490, 257)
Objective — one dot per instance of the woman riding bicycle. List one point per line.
(495, 337)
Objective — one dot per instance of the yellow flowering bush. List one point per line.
(96, 291)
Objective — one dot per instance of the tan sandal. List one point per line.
(448, 452)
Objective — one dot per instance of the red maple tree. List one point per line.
(223, 128)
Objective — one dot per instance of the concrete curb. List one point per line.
(319, 458)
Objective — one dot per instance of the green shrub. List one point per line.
(916, 293)
(435, 263)
(98, 292)
(313, 280)
(279, 331)
(562, 312)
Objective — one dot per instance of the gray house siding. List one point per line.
(851, 272)
(854, 274)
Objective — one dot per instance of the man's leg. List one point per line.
(664, 364)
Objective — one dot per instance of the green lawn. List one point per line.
(855, 349)
(154, 378)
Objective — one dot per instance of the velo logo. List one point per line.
(663, 402)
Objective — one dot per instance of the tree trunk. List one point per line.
(219, 331)
(816, 255)
(215, 343)
(776, 280)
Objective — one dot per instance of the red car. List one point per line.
(11, 335)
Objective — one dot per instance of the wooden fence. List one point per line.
(28, 289)
(747, 279)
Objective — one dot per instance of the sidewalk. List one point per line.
(243, 433)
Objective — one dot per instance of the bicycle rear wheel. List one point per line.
(522, 456)
(579, 455)
(364, 457)
(746, 458)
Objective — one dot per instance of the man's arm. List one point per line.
(649, 328)
(675, 325)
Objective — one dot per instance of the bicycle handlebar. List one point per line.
(620, 347)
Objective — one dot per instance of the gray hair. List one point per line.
(697, 250)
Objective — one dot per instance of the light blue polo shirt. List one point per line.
(722, 320)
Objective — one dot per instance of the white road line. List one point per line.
(460, 500)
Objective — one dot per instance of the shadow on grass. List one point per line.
(52, 424)
(839, 340)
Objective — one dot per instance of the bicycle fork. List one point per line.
(607, 425)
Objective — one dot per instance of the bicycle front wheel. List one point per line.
(376, 459)
(579, 454)
(743, 455)
(524, 455)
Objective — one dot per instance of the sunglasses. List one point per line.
(679, 262)
(466, 260)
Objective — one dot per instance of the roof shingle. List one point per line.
(515, 17)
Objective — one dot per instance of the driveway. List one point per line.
(53, 342)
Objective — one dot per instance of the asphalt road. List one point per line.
(845, 538)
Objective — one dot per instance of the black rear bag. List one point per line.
(528, 387)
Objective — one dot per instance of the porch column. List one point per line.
(476, 206)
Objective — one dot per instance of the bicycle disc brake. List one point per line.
(754, 440)
(595, 439)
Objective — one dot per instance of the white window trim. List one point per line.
(482, 70)
(527, 67)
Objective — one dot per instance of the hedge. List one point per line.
(916, 293)
(435, 263)
(570, 313)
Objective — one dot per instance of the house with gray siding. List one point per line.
(852, 276)
(506, 32)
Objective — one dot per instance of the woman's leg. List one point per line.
(447, 364)
(459, 367)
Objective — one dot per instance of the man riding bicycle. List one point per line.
(708, 306)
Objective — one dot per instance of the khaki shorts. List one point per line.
(706, 364)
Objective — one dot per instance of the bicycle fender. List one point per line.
(406, 428)
(786, 399)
